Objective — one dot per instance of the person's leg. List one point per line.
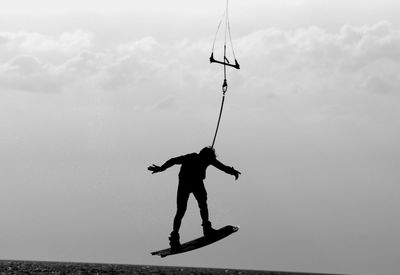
(181, 201)
(200, 194)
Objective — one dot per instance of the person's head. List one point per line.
(208, 153)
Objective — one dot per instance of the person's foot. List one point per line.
(208, 230)
(174, 241)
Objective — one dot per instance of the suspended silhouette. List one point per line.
(191, 176)
(193, 171)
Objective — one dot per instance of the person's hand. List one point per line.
(154, 168)
(236, 173)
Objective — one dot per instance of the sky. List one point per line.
(92, 92)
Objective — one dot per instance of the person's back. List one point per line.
(193, 168)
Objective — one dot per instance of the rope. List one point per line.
(225, 60)
(219, 120)
(230, 39)
(216, 33)
(226, 28)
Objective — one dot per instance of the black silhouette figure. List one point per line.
(191, 176)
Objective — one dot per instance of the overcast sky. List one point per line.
(92, 92)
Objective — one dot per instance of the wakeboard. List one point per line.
(199, 242)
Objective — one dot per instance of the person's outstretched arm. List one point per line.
(229, 170)
(155, 168)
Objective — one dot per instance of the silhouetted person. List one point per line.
(191, 176)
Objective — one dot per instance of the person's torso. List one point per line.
(193, 168)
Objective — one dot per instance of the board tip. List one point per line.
(234, 228)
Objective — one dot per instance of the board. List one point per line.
(199, 242)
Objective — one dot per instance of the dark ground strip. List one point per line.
(64, 268)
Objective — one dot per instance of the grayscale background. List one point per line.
(92, 92)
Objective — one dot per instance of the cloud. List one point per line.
(42, 63)
(166, 103)
(25, 64)
(35, 42)
(86, 62)
(304, 57)
(28, 73)
(144, 45)
(274, 61)
(315, 46)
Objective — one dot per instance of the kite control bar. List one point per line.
(213, 60)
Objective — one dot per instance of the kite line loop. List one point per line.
(225, 62)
